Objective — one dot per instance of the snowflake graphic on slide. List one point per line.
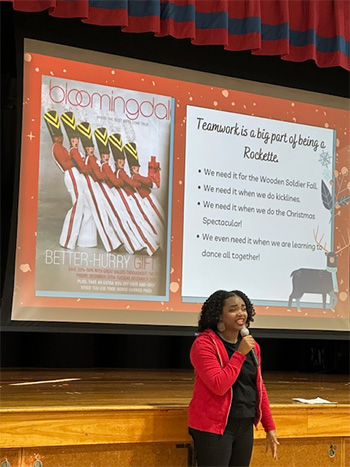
(325, 158)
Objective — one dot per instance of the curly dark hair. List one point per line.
(212, 309)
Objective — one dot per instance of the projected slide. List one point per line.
(145, 188)
(253, 205)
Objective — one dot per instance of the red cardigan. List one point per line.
(215, 374)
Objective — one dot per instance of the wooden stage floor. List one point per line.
(58, 389)
(50, 408)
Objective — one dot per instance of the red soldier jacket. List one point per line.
(129, 184)
(111, 179)
(145, 185)
(95, 169)
(79, 161)
(215, 374)
(61, 156)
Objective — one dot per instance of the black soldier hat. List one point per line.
(70, 125)
(116, 144)
(53, 123)
(130, 151)
(101, 136)
(85, 133)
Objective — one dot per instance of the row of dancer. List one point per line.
(120, 208)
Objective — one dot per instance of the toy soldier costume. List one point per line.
(116, 213)
(149, 202)
(130, 186)
(72, 180)
(138, 225)
(93, 207)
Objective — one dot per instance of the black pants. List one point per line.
(232, 449)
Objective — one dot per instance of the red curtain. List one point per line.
(297, 30)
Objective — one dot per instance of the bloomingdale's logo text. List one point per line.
(132, 108)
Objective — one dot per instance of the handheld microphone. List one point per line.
(245, 332)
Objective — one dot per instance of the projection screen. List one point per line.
(144, 188)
